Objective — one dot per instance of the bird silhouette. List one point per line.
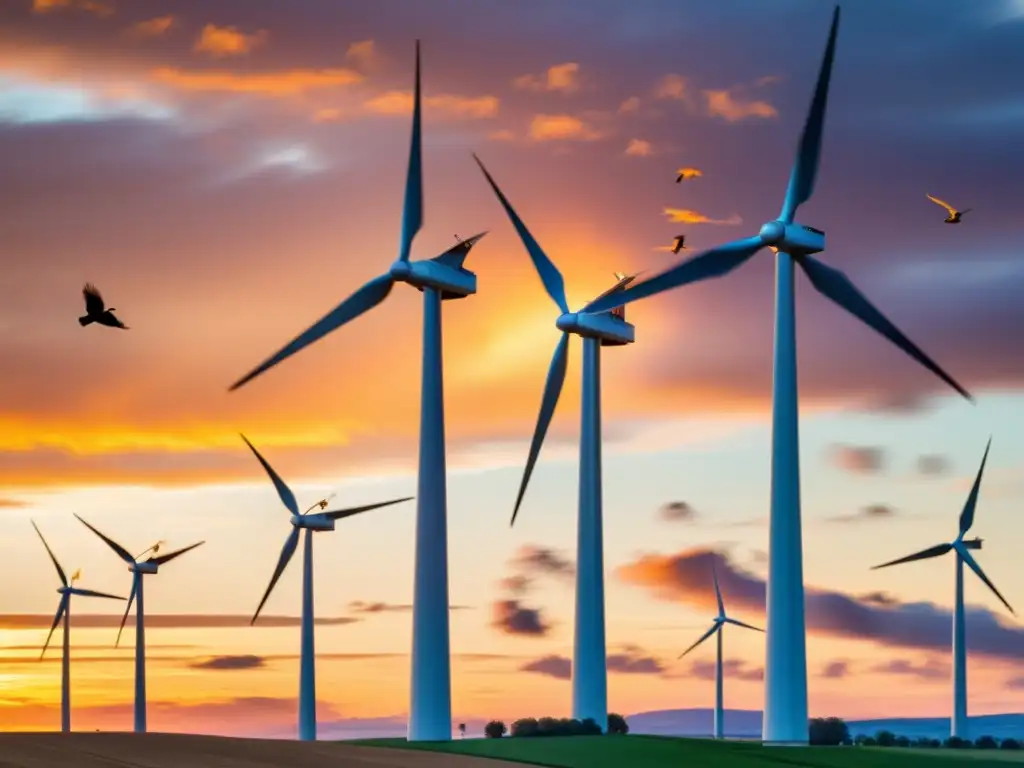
(954, 214)
(95, 311)
(678, 246)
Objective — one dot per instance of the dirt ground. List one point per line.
(160, 750)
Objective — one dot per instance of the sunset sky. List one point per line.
(226, 171)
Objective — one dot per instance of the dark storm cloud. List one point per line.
(919, 625)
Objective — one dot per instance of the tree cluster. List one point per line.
(833, 731)
(529, 727)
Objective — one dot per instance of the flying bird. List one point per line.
(95, 311)
(677, 244)
(687, 173)
(954, 214)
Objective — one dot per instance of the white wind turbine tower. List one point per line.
(716, 629)
(139, 568)
(66, 590)
(958, 723)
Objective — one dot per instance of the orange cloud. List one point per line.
(90, 6)
(687, 216)
(227, 41)
(504, 134)
(285, 83)
(152, 27)
(363, 53)
(671, 87)
(560, 77)
(690, 173)
(400, 103)
(561, 128)
(732, 106)
(630, 105)
(327, 115)
(639, 148)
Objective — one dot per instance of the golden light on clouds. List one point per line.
(503, 134)
(91, 6)
(327, 115)
(630, 105)
(228, 41)
(690, 173)
(560, 77)
(671, 87)
(284, 83)
(152, 27)
(733, 107)
(400, 103)
(363, 53)
(687, 216)
(639, 148)
(561, 128)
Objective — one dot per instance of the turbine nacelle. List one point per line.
(144, 567)
(611, 330)
(315, 522)
(794, 239)
(448, 276)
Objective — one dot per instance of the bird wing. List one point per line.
(943, 203)
(93, 299)
(114, 322)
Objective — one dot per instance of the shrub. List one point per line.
(1009, 744)
(986, 742)
(902, 741)
(617, 724)
(495, 729)
(827, 732)
(869, 741)
(955, 742)
(589, 727)
(525, 727)
(885, 739)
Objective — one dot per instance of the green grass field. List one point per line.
(650, 751)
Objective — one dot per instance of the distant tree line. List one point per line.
(529, 727)
(833, 731)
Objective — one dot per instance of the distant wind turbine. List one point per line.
(440, 278)
(958, 724)
(716, 628)
(66, 590)
(607, 328)
(311, 523)
(139, 568)
(785, 682)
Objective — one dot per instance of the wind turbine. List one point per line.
(958, 724)
(440, 278)
(785, 683)
(310, 523)
(65, 590)
(716, 628)
(139, 568)
(607, 328)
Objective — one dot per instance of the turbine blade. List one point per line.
(53, 557)
(340, 514)
(61, 607)
(94, 593)
(552, 389)
(937, 551)
(456, 255)
(805, 169)
(833, 284)
(742, 624)
(554, 284)
(715, 627)
(967, 516)
(363, 300)
(283, 491)
(718, 589)
(704, 266)
(123, 553)
(286, 555)
(176, 553)
(968, 558)
(412, 208)
(128, 608)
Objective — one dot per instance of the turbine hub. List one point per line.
(772, 233)
(568, 322)
(401, 271)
